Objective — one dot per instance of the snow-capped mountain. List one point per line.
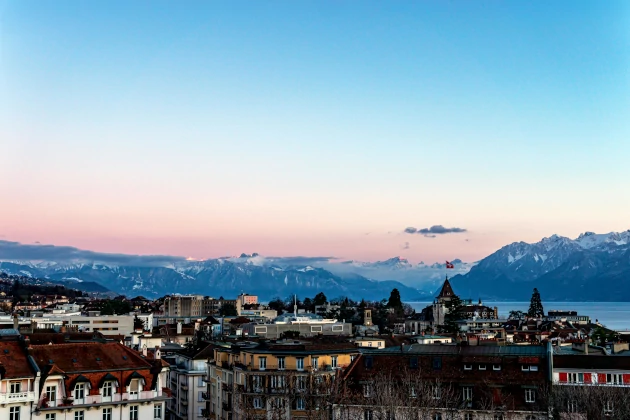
(422, 276)
(589, 267)
(156, 276)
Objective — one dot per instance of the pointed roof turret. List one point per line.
(447, 290)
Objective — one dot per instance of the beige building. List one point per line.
(282, 380)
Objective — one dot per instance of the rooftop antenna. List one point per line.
(295, 306)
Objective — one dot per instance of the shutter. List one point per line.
(562, 377)
(626, 378)
(601, 378)
(587, 378)
(134, 385)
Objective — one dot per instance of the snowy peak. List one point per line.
(589, 240)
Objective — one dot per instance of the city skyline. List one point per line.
(316, 129)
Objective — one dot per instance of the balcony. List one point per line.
(184, 387)
(205, 395)
(98, 399)
(17, 397)
(227, 406)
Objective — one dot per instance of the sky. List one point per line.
(316, 128)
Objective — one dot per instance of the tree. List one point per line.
(228, 309)
(138, 324)
(516, 315)
(395, 303)
(320, 299)
(454, 312)
(277, 304)
(535, 306)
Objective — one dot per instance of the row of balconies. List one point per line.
(99, 399)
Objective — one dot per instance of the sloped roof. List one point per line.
(447, 290)
(14, 361)
(82, 357)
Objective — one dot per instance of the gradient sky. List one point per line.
(206, 129)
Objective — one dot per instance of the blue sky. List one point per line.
(210, 128)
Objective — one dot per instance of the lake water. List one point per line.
(614, 315)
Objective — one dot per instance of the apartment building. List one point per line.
(19, 378)
(592, 382)
(280, 380)
(95, 381)
(193, 306)
(447, 381)
(188, 382)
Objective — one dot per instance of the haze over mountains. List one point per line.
(591, 267)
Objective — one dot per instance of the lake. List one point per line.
(614, 315)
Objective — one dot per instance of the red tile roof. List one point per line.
(81, 357)
(13, 361)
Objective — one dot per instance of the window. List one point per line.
(157, 411)
(133, 412)
(262, 363)
(368, 415)
(467, 393)
(437, 416)
(496, 367)
(14, 413)
(333, 361)
(367, 390)
(79, 415)
(437, 363)
(368, 362)
(258, 403)
(16, 387)
(257, 383)
(134, 387)
(525, 368)
(614, 378)
(107, 389)
(299, 362)
(107, 414)
(413, 363)
(467, 367)
(572, 406)
(436, 392)
(498, 417)
(300, 404)
(530, 396)
(51, 416)
(533, 368)
(278, 381)
(281, 362)
(608, 408)
(79, 392)
(300, 383)
(482, 367)
(530, 417)
(469, 416)
(315, 362)
(576, 378)
(51, 395)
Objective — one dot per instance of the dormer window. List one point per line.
(467, 367)
(482, 367)
(79, 392)
(107, 389)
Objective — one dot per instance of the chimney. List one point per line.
(144, 350)
(179, 328)
(16, 322)
(157, 354)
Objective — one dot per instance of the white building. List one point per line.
(19, 380)
(187, 383)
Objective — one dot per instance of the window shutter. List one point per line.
(626, 378)
(563, 377)
(601, 378)
(587, 378)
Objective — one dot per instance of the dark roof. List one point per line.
(441, 349)
(14, 362)
(85, 357)
(584, 361)
(447, 290)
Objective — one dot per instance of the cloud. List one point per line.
(300, 260)
(429, 236)
(406, 245)
(37, 252)
(434, 230)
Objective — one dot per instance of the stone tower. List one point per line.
(367, 317)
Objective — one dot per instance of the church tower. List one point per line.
(367, 317)
(439, 305)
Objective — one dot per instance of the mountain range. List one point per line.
(592, 267)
